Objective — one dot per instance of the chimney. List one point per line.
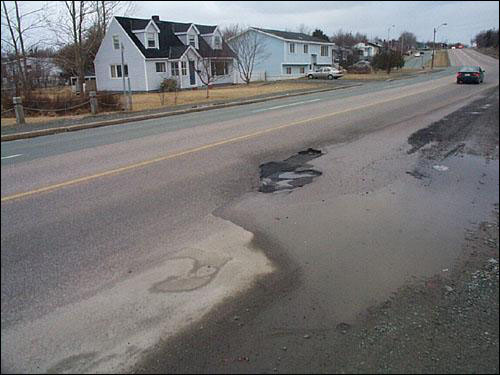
(156, 18)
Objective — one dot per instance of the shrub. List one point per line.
(388, 59)
(109, 101)
(168, 85)
(360, 69)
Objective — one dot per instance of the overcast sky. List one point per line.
(373, 18)
(465, 18)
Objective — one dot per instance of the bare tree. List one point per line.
(348, 39)
(79, 28)
(303, 29)
(250, 49)
(231, 31)
(407, 41)
(20, 24)
(105, 10)
(211, 69)
(70, 27)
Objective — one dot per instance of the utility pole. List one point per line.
(125, 98)
(434, 44)
(388, 34)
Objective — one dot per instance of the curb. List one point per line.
(63, 129)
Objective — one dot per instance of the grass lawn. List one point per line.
(147, 101)
(441, 59)
(153, 100)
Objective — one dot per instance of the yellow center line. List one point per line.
(201, 148)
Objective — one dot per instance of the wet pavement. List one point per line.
(381, 217)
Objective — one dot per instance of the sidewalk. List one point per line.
(14, 132)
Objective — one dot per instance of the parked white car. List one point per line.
(327, 72)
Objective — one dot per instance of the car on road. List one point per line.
(416, 54)
(326, 72)
(470, 74)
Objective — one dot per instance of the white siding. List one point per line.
(107, 55)
(155, 78)
(142, 72)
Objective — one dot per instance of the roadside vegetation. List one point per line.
(441, 59)
(487, 42)
(151, 100)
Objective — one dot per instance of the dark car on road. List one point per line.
(470, 74)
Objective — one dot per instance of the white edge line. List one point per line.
(285, 105)
(11, 156)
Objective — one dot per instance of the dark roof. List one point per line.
(170, 45)
(204, 29)
(292, 36)
(206, 51)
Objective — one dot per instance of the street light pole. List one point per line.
(388, 34)
(434, 44)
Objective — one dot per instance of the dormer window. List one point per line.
(217, 42)
(192, 40)
(151, 40)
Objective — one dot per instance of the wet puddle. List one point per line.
(289, 174)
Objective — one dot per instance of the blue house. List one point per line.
(288, 54)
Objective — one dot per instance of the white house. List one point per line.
(368, 49)
(154, 50)
(288, 54)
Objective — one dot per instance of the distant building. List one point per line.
(289, 54)
(40, 71)
(367, 50)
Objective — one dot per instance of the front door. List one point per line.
(192, 77)
(314, 60)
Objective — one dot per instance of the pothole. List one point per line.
(289, 174)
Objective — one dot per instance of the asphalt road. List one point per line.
(413, 62)
(97, 223)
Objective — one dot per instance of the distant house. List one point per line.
(288, 54)
(155, 50)
(341, 55)
(40, 71)
(367, 50)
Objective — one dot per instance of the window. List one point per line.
(217, 41)
(289, 70)
(116, 71)
(324, 50)
(192, 40)
(306, 48)
(291, 47)
(302, 70)
(219, 68)
(116, 42)
(160, 67)
(184, 68)
(151, 40)
(175, 68)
